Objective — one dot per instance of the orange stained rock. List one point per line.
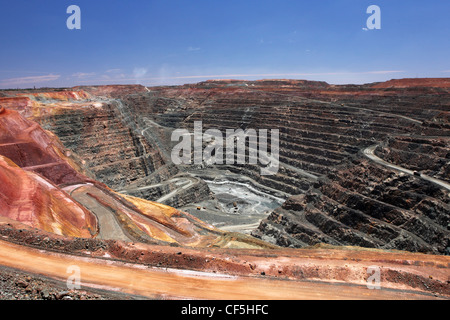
(167, 216)
(35, 164)
(58, 95)
(34, 199)
(28, 145)
(36, 202)
(172, 225)
(36, 105)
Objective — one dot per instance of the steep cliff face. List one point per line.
(32, 165)
(26, 144)
(113, 153)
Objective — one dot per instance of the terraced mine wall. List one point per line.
(109, 149)
(339, 194)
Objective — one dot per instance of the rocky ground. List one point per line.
(18, 285)
(402, 273)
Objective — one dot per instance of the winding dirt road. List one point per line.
(370, 153)
(109, 227)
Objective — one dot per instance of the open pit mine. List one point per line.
(359, 207)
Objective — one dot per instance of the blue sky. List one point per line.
(186, 41)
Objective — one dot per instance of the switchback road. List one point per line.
(370, 153)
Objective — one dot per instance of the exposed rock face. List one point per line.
(27, 197)
(42, 187)
(31, 164)
(366, 206)
(429, 155)
(111, 151)
(339, 191)
(329, 136)
(323, 130)
(27, 145)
